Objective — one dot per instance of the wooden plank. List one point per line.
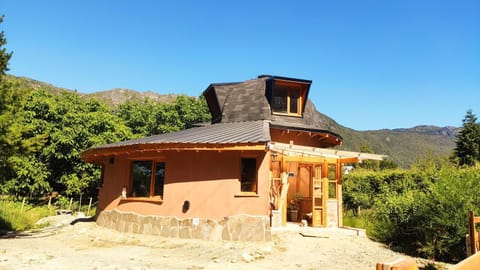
(94, 154)
(472, 232)
(283, 198)
(472, 262)
(398, 264)
(313, 235)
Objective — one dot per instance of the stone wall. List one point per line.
(233, 228)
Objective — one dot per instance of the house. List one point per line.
(234, 178)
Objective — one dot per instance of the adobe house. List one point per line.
(234, 178)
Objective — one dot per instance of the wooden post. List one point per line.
(23, 203)
(49, 201)
(283, 197)
(471, 232)
(70, 205)
(89, 205)
(80, 203)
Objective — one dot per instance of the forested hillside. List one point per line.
(404, 146)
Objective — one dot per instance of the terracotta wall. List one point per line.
(209, 180)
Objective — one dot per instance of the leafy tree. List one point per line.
(467, 150)
(9, 103)
(148, 118)
(48, 137)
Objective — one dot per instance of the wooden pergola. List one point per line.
(322, 175)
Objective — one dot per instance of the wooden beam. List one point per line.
(93, 154)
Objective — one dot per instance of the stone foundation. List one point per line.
(233, 228)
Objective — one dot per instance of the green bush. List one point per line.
(421, 211)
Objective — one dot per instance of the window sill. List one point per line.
(141, 199)
(246, 195)
(287, 114)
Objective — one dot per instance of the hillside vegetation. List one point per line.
(404, 146)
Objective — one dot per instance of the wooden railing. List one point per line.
(472, 243)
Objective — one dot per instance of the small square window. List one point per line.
(287, 100)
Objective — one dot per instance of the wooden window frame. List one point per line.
(290, 87)
(151, 195)
(333, 182)
(254, 191)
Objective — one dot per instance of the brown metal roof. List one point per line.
(221, 133)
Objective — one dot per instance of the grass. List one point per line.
(363, 220)
(14, 218)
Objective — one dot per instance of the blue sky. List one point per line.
(374, 64)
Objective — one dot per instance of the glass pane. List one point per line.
(294, 99)
(332, 190)
(279, 101)
(249, 175)
(159, 178)
(332, 171)
(141, 175)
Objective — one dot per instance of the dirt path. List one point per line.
(88, 246)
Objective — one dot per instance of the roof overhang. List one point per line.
(329, 137)
(94, 155)
(306, 151)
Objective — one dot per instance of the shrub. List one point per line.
(14, 218)
(422, 211)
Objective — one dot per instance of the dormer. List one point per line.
(287, 96)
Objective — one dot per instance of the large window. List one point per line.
(287, 100)
(248, 177)
(147, 178)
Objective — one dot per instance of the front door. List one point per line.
(319, 198)
(332, 195)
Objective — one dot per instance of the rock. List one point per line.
(228, 245)
(247, 257)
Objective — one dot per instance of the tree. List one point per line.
(4, 55)
(46, 139)
(148, 117)
(467, 149)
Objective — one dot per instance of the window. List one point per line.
(248, 179)
(147, 178)
(287, 100)
(332, 181)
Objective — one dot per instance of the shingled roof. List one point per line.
(241, 115)
(249, 101)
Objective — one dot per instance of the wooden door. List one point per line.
(319, 198)
(304, 189)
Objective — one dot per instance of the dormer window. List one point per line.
(288, 98)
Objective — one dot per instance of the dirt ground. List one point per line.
(85, 245)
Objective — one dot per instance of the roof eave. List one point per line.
(95, 154)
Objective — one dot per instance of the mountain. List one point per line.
(118, 96)
(404, 145)
(111, 97)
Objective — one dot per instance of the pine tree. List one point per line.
(4, 56)
(467, 150)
